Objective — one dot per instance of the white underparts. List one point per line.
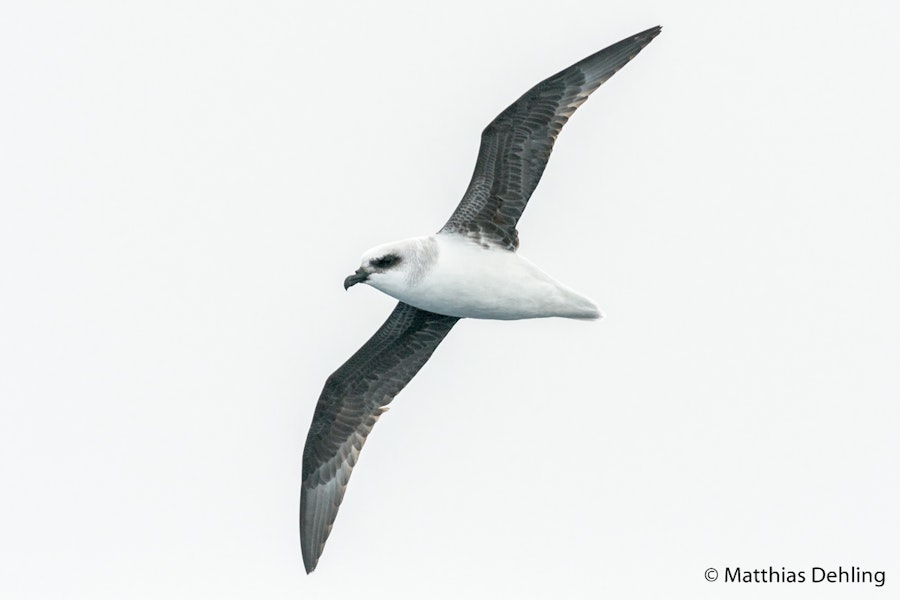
(465, 279)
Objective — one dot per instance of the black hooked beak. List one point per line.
(358, 277)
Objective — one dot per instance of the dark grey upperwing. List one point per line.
(353, 398)
(516, 145)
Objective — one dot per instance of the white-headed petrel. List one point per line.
(467, 269)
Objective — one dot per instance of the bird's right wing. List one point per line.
(516, 145)
(353, 398)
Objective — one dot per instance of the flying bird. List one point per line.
(467, 269)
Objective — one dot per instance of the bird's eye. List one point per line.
(385, 261)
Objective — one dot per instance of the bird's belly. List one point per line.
(474, 303)
(497, 286)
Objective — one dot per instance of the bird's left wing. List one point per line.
(353, 398)
(516, 145)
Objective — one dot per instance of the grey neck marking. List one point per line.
(425, 254)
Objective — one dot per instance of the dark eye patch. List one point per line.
(386, 261)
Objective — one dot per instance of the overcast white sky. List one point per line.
(185, 185)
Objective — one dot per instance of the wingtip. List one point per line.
(309, 562)
(308, 550)
(650, 33)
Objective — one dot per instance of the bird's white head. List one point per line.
(394, 267)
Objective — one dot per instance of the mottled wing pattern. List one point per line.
(353, 398)
(516, 145)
